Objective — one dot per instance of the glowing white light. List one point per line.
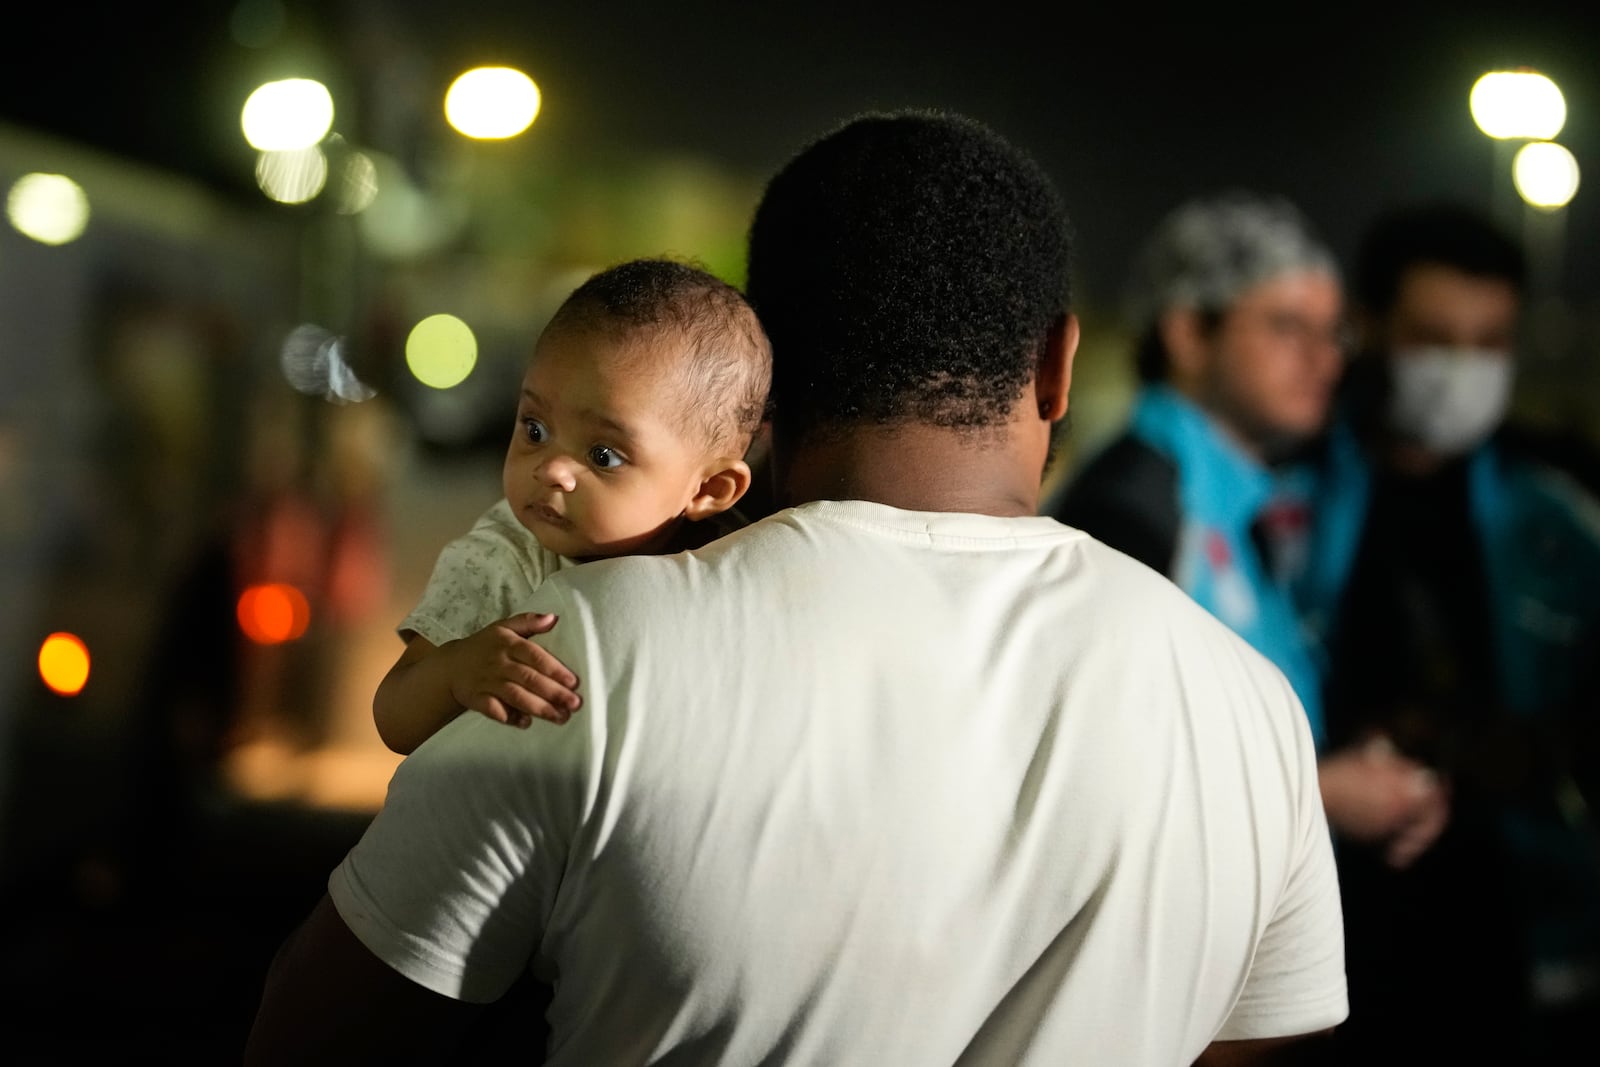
(292, 177)
(490, 103)
(1518, 103)
(1546, 174)
(282, 116)
(50, 208)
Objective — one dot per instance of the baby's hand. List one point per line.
(498, 672)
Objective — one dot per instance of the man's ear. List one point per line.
(1053, 380)
(1183, 335)
(720, 489)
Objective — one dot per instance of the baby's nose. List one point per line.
(560, 472)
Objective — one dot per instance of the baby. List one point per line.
(640, 402)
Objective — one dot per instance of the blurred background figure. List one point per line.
(1238, 308)
(1453, 582)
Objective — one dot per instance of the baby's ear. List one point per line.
(728, 480)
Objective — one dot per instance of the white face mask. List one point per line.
(1448, 399)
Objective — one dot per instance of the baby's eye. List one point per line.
(604, 458)
(535, 430)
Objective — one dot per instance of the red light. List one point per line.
(273, 613)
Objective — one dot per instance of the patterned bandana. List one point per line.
(1208, 251)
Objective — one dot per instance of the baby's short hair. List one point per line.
(724, 356)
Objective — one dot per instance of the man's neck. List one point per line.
(921, 468)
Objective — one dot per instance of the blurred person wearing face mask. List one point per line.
(1452, 582)
(1238, 307)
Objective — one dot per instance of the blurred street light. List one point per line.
(1518, 104)
(50, 208)
(358, 184)
(64, 663)
(273, 613)
(292, 176)
(1522, 105)
(492, 103)
(1546, 175)
(287, 115)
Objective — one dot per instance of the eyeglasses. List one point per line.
(1293, 329)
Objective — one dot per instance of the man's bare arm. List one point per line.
(328, 999)
(1305, 1050)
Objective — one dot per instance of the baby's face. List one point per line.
(598, 464)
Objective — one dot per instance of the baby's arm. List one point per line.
(497, 672)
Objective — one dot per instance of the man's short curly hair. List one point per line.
(725, 359)
(907, 266)
(1444, 233)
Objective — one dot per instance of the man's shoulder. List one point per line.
(597, 579)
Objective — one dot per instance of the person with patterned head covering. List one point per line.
(1237, 305)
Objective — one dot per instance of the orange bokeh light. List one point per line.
(273, 613)
(64, 663)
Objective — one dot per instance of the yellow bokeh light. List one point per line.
(1518, 103)
(441, 351)
(1546, 174)
(492, 103)
(286, 115)
(292, 177)
(50, 208)
(64, 663)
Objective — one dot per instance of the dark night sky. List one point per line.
(1342, 108)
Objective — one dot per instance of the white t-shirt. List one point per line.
(864, 786)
